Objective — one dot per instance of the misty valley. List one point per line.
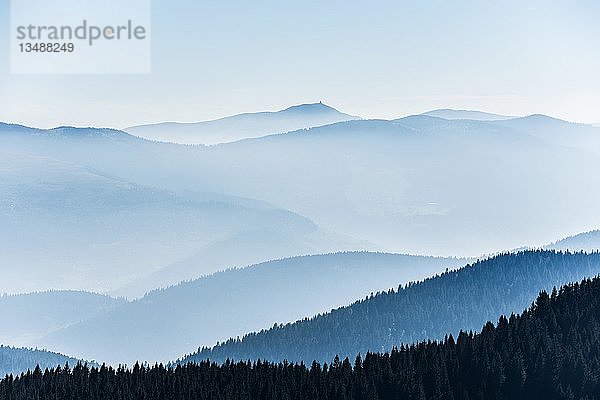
(302, 254)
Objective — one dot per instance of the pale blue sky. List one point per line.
(381, 59)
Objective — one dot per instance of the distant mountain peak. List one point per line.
(243, 126)
(542, 119)
(449, 113)
(319, 107)
(87, 131)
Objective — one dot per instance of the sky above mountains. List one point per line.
(381, 60)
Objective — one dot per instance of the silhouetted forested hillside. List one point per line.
(552, 351)
(463, 299)
(15, 361)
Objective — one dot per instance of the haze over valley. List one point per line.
(189, 235)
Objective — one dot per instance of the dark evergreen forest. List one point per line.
(551, 351)
(464, 299)
(16, 360)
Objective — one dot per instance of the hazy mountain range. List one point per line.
(96, 326)
(97, 232)
(419, 184)
(550, 351)
(29, 317)
(168, 323)
(459, 300)
(242, 126)
(451, 114)
(106, 211)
